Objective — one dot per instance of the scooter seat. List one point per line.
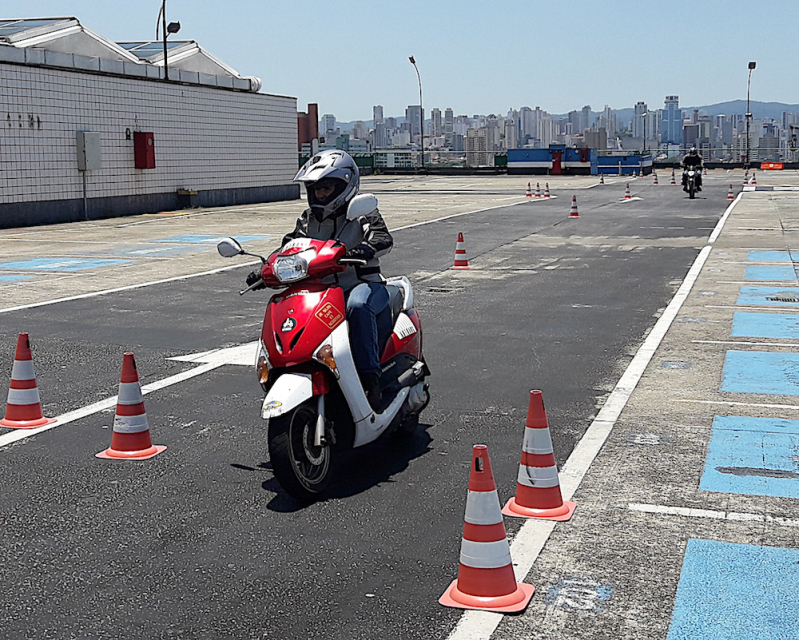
(396, 300)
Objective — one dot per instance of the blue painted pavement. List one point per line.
(769, 296)
(765, 325)
(736, 592)
(752, 456)
(58, 264)
(770, 273)
(770, 256)
(761, 372)
(189, 238)
(14, 278)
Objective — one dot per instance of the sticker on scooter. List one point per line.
(272, 405)
(288, 325)
(329, 315)
(295, 246)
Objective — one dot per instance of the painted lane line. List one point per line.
(458, 215)
(77, 414)
(747, 342)
(761, 405)
(533, 535)
(734, 516)
(714, 236)
(94, 294)
(745, 307)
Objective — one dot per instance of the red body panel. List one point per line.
(411, 344)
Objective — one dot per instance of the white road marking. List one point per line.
(77, 414)
(743, 307)
(243, 354)
(739, 404)
(747, 342)
(735, 516)
(714, 236)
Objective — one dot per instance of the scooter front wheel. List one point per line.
(301, 467)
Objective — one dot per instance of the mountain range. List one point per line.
(761, 110)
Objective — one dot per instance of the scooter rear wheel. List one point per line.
(301, 468)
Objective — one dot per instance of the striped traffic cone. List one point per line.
(537, 486)
(24, 408)
(461, 262)
(754, 178)
(537, 189)
(729, 194)
(131, 437)
(627, 195)
(705, 171)
(746, 176)
(601, 179)
(546, 191)
(486, 581)
(655, 180)
(529, 193)
(573, 211)
(673, 180)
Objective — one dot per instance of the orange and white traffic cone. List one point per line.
(461, 262)
(529, 193)
(24, 408)
(486, 581)
(627, 195)
(601, 179)
(673, 180)
(131, 437)
(705, 171)
(729, 194)
(754, 177)
(537, 485)
(655, 180)
(573, 211)
(546, 191)
(537, 189)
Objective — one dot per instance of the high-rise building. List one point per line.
(526, 124)
(327, 123)
(377, 114)
(511, 134)
(671, 121)
(413, 116)
(639, 120)
(436, 125)
(586, 118)
(476, 144)
(359, 130)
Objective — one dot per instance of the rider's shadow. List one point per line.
(357, 470)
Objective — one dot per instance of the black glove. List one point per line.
(252, 278)
(361, 252)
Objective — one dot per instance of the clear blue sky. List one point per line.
(476, 57)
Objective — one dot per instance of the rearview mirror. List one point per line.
(361, 205)
(229, 247)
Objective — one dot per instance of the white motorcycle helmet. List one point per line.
(334, 168)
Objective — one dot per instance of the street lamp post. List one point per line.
(752, 65)
(421, 108)
(172, 27)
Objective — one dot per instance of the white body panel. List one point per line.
(289, 391)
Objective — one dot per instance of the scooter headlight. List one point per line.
(292, 268)
(262, 364)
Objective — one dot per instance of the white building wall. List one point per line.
(205, 138)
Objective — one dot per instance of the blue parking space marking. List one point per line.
(731, 591)
(770, 273)
(154, 251)
(752, 456)
(770, 256)
(761, 372)
(765, 325)
(14, 278)
(189, 238)
(769, 296)
(58, 264)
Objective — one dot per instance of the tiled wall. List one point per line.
(205, 138)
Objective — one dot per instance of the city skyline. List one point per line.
(475, 58)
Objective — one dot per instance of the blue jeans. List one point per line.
(369, 317)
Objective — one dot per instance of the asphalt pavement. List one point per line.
(201, 541)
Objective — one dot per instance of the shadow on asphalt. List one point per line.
(360, 469)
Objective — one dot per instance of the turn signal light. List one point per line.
(325, 356)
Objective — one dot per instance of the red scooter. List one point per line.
(315, 403)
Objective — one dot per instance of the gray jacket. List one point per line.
(377, 237)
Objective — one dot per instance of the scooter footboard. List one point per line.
(288, 392)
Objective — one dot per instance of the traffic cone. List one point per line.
(537, 485)
(486, 581)
(529, 193)
(655, 180)
(546, 191)
(537, 190)
(627, 195)
(673, 181)
(24, 409)
(601, 179)
(754, 177)
(705, 171)
(131, 437)
(460, 254)
(729, 194)
(573, 211)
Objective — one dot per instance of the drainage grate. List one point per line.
(444, 289)
(781, 299)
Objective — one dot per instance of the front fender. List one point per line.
(288, 392)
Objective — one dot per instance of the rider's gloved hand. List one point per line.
(361, 252)
(252, 278)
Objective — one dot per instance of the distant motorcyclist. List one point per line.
(692, 160)
(331, 180)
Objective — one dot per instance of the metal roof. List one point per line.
(145, 50)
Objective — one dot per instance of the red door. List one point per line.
(556, 168)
